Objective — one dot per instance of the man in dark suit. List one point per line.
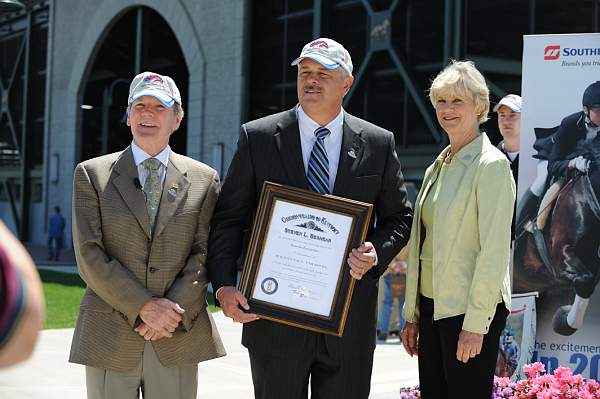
(316, 145)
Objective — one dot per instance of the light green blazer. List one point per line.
(471, 237)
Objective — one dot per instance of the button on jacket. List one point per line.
(471, 237)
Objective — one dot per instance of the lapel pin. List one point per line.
(351, 153)
(173, 189)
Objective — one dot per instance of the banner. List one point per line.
(517, 340)
(557, 246)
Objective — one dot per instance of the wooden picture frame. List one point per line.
(296, 269)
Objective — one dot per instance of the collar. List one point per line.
(468, 153)
(140, 155)
(305, 122)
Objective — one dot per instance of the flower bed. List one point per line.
(538, 385)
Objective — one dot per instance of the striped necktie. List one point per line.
(318, 164)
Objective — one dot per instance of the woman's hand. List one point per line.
(469, 345)
(410, 338)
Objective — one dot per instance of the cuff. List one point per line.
(187, 321)
(478, 321)
(131, 313)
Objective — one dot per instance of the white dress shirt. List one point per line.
(139, 156)
(333, 142)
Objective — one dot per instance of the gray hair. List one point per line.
(461, 78)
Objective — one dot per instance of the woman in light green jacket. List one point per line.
(458, 288)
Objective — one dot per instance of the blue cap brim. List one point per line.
(326, 62)
(165, 99)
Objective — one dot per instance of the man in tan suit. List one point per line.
(140, 228)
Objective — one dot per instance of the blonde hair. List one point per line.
(462, 79)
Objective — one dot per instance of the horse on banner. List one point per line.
(557, 251)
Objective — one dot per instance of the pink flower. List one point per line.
(534, 369)
(537, 385)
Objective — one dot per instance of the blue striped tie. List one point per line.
(318, 164)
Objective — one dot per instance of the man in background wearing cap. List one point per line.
(509, 123)
(140, 227)
(318, 146)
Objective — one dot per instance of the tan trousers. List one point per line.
(149, 377)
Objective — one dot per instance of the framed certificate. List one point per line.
(296, 270)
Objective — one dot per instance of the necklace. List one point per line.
(448, 157)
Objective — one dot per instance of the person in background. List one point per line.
(21, 301)
(394, 284)
(509, 123)
(458, 284)
(56, 234)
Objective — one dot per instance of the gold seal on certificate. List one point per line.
(295, 270)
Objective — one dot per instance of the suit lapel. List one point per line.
(287, 140)
(132, 196)
(351, 154)
(174, 190)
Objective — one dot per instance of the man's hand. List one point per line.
(148, 333)
(410, 338)
(161, 315)
(469, 345)
(231, 299)
(361, 260)
(580, 163)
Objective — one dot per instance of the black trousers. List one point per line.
(441, 375)
(333, 374)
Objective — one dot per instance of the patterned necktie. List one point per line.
(318, 164)
(152, 188)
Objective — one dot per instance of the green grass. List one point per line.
(63, 292)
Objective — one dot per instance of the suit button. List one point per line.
(152, 269)
(202, 251)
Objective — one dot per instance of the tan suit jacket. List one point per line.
(124, 265)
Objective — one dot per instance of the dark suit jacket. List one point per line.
(571, 130)
(514, 169)
(369, 171)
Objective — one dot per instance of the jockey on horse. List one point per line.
(574, 153)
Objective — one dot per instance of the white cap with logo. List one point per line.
(158, 86)
(512, 101)
(328, 53)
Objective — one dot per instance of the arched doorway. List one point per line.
(139, 40)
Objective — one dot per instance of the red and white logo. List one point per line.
(319, 44)
(551, 52)
(153, 79)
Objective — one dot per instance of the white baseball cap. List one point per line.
(158, 86)
(512, 101)
(326, 52)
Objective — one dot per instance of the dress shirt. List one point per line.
(333, 142)
(139, 156)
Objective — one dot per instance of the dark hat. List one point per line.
(591, 95)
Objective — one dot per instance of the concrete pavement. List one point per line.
(48, 375)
